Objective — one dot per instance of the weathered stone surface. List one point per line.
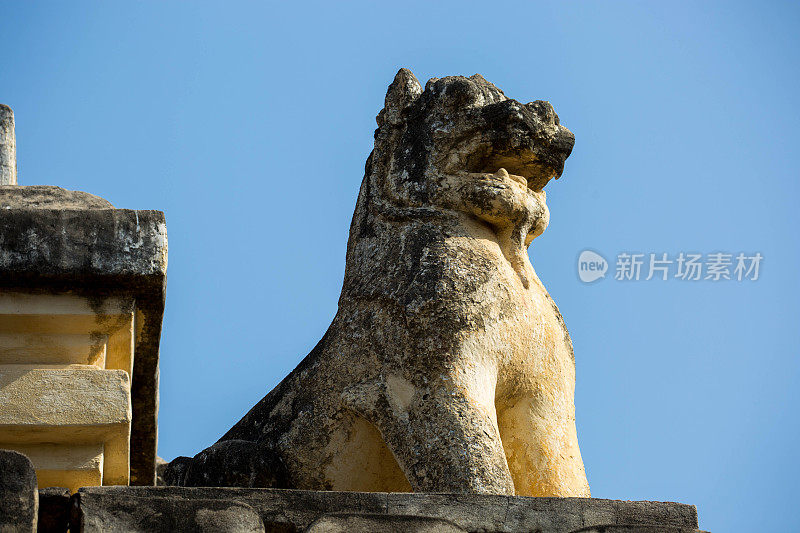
(90, 245)
(448, 367)
(19, 500)
(293, 510)
(54, 510)
(544, 514)
(175, 471)
(348, 523)
(73, 423)
(8, 147)
(131, 515)
(237, 461)
(280, 510)
(48, 197)
(85, 401)
(72, 247)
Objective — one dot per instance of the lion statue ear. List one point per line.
(401, 94)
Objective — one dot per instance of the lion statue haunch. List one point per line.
(448, 367)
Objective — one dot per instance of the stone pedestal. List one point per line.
(81, 299)
(178, 509)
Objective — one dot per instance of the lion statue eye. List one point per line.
(545, 110)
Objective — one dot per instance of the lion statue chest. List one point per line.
(451, 285)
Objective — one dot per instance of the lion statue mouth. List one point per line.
(530, 173)
(529, 184)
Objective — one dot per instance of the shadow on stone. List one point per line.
(54, 503)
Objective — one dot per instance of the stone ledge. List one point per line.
(48, 196)
(96, 244)
(158, 509)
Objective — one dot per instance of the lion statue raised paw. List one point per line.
(447, 367)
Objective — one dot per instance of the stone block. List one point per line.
(475, 510)
(73, 422)
(65, 465)
(61, 403)
(53, 349)
(66, 329)
(19, 500)
(132, 515)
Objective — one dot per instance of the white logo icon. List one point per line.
(591, 266)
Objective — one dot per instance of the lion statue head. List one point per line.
(461, 147)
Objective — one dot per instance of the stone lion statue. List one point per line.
(448, 367)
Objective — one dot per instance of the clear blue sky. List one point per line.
(248, 124)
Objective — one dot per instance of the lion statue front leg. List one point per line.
(441, 428)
